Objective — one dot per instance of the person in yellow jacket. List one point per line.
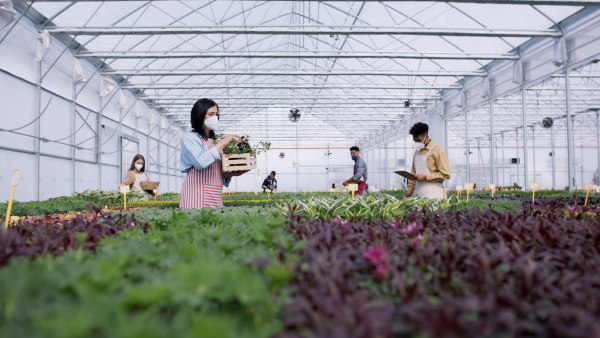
(430, 165)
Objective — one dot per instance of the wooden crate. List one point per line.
(237, 162)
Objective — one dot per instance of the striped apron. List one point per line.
(203, 188)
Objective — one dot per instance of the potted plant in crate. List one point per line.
(240, 155)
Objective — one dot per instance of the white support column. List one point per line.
(492, 145)
(387, 180)
(468, 162)
(598, 145)
(504, 162)
(37, 131)
(533, 152)
(518, 164)
(553, 158)
(570, 159)
(73, 139)
(395, 160)
(99, 142)
(525, 160)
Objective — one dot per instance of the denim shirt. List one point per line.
(194, 154)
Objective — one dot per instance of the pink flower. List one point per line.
(571, 208)
(417, 239)
(375, 255)
(396, 225)
(132, 225)
(410, 228)
(340, 221)
(382, 269)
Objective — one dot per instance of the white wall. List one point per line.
(68, 156)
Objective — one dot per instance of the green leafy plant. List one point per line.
(243, 146)
(369, 207)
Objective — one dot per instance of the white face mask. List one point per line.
(212, 123)
(420, 145)
(139, 166)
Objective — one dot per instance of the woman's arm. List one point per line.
(193, 153)
(129, 179)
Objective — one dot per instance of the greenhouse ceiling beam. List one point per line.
(300, 30)
(290, 97)
(314, 54)
(303, 106)
(292, 72)
(287, 86)
(582, 36)
(511, 2)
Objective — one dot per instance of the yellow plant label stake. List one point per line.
(587, 187)
(533, 186)
(155, 191)
(14, 181)
(469, 187)
(459, 188)
(124, 189)
(353, 187)
(492, 188)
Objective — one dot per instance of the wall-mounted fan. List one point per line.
(294, 114)
(281, 155)
(547, 122)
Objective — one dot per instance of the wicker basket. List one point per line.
(237, 162)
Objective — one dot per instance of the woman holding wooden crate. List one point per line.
(201, 159)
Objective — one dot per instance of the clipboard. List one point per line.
(406, 174)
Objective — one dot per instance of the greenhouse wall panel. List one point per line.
(10, 161)
(86, 177)
(56, 177)
(110, 177)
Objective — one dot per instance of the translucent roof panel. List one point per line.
(333, 60)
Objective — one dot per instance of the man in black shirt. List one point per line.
(270, 183)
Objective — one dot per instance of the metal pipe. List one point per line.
(303, 30)
(518, 164)
(504, 162)
(533, 153)
(288, 86)
(99, 142)
(310, 54)
(468, 162)
(37, 130)
(553, 158)
(289, 72)
(525, 160)
(509, 2)
(358, 98)
(569, 130)
(598, 145)
(73, 128)
(492, 145)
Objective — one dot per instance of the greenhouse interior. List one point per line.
(300, 168)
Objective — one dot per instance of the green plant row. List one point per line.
(197, 273)
(367, 207)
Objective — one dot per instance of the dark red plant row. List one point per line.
(470, 273)
(55, 234)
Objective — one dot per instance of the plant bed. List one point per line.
(54, 234)
(458, 273)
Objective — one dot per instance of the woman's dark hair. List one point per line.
(419, 128)
(273, 173)
(135, 158)
(199, 113)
